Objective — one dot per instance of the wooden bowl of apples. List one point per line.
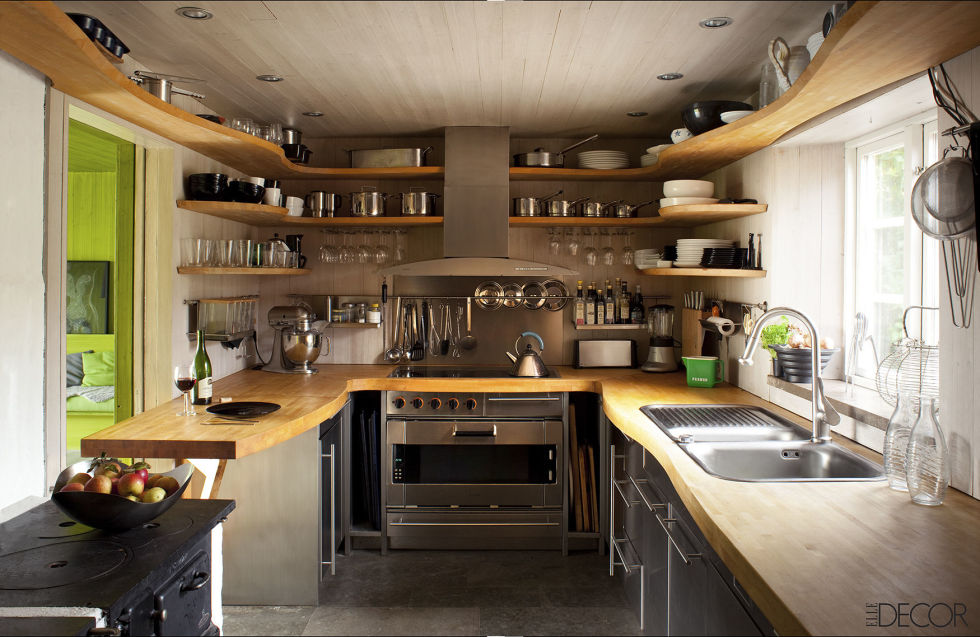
(106, 494)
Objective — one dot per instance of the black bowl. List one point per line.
(114, 512)
(700, 117)
(244, 192)
(207, 186)
(210, 118)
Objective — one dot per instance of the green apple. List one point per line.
(130, 484)
(154, 494)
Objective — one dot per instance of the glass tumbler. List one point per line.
(242, 253)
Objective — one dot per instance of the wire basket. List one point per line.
(911, 368)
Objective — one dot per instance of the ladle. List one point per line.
(468, 341)
(394, 353)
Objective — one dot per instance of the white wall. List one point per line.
(21, 281)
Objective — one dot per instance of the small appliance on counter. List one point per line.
(660, 323)
(296, 345)
(603, 353)
(528, 363)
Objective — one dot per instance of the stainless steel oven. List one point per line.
(480, 470)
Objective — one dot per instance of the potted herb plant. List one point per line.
(775, 334)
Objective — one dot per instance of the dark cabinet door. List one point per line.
(687, 602)
(726, 613)
(183, 605)
(332, 493)
(655, 565)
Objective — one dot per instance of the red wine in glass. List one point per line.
(186, 384)
(185, 379)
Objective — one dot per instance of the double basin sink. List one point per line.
(751, 444)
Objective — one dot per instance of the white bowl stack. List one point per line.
(653, 155)
(680, 192)
(647, 258)
(690, 251)
(603, 159)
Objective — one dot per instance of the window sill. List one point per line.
(862, 404)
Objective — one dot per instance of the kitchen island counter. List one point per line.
(818, 558)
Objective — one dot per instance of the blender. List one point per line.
(660, 324)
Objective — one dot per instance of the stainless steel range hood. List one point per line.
(476, 198)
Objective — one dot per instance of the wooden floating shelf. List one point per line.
(874, 44)
(246, 271)
(670, 217)
(264, 216)
(352, 326)
(711, 272)
(584, 222)
(629, 326)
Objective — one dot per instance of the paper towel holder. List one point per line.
(713, 327)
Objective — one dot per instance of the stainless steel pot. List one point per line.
(292, 136)
(531, 206)
(367, 203)
(562, 207)
(626, 211)
(324, 204)
(597, 208)
(418, 203)
(542, 159)
(161, 85)
(388, 157)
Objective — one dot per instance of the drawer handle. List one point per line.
(485, 433)
(203, 578)
(473, 524)
(646, 501)
(511, 399)
(617, 484)
(622, 557)
(687, 557)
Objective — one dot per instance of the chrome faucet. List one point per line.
(824, 414)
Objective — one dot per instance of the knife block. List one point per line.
(692, 334)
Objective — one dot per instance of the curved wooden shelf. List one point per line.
(874, 45)
(711, 272)
(248, 271)
(701, 214)
(266, 216)
(584, 222)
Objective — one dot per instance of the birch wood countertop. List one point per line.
(818, 558)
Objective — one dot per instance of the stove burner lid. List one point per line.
(59, 564)
(154, 530)
(431, 371)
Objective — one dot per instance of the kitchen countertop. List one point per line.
(811, 555)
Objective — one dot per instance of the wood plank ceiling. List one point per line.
(554, 69)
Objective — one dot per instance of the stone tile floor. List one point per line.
(453, 593)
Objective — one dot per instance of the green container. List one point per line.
(704, 371)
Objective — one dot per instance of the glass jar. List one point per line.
(769, 89)
(927, 461)
(897, 441)
(374, 313)
(361, 313)
(336, 316)
(350, 312)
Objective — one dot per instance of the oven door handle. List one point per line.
(514, 399)
(472, 433)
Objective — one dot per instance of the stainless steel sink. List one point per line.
(751, 444)
(778, 461)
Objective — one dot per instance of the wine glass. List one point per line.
(399, 246)
(608, 254)
(364, 251)
(554, 243)
(347, 254)
(628, 249)
(590, 253)
(185, 380)
(571, 242)
(381, 249)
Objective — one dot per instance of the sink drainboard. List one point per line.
(721, 423)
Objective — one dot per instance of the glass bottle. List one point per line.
(897, 442)
(201, 392)
(579, 306)
(927, 460)
(590, 306)
(600, 307)
(636, 308)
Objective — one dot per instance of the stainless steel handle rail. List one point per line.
(622, 557)
(489, 433)
(473, 523)
(333, 523)
(687, 557)
(646, 501)
(505, 399)
(622, 494)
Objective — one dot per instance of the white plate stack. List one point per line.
(603, 159)
(690, 251)
(647, 258)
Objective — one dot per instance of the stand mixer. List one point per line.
(660, 324)
(296, 344)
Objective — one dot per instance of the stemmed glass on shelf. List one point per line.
(185, 379)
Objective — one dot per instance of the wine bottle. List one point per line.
(600, 307)
(610, 304)
(590, 305)
(201, 392)
(579, 306)
(636, 310)
(624, 305)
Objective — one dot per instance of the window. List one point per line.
(889, 264)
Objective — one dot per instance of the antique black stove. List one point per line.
(151, 580)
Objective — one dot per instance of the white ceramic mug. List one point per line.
(272, 196)
(258, 181)
(680, 134)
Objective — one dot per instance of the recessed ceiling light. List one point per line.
(194, 13)
(670, 76)
(313, 114)
(269, 78)
(637, 114)
(715, 23)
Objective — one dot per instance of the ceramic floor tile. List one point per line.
(266, 620)
(327, 620)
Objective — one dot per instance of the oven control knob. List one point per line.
(435, 403)
(417, 402)
(453, 403)
(398, 402)
(471, 403)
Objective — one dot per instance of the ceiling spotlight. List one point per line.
(670, 76)
(194, 13)
(715, 23)
(313, 114)
(269, 78)
(637, 114)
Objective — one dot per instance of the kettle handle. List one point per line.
(523, 334)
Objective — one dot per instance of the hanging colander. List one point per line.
(910, 369)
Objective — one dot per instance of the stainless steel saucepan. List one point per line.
(563, 207)
(625, 210)
(531, 206)
(418, 203)
(540, 158)
(597, 208)
(367, 203)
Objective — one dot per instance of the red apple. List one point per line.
(115, 486)
(168, 484)
(80, 478)
(99, 484)
(154, 495)
(73, 486)
(130, 484)
(141, 468)
(109, 469)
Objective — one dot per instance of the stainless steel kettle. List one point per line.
(528, 364)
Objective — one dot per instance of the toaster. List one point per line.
(617, 353)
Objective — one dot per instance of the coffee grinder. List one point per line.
(660, 324)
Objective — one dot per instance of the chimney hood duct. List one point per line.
(476, 205)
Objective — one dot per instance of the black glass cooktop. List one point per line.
(427, 371)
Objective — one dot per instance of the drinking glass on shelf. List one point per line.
(554, 243)
(628, 253)
(275, 133)
(185, 380)
(590, 253)
(365, 253)
(608, 254)
(347, 253)
(399, 246)
(381, 252)
(225, 256)
(243, 253)
(243, 124)
(571, 242)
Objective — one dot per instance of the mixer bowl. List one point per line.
(302, 346)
